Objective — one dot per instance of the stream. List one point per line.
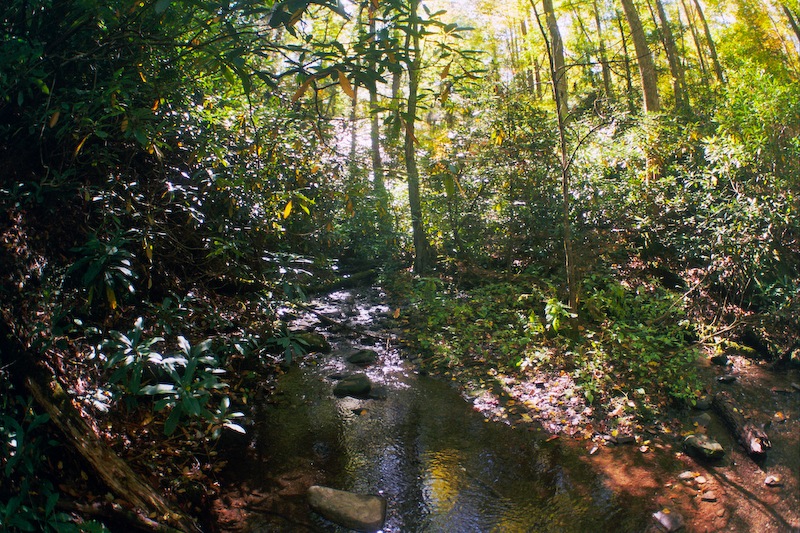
(439, 463)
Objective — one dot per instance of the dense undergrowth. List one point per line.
(629, 338)
(173, 177)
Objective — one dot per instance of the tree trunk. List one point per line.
(647, 69)
(754, 440)
(421, 245)
(627, 63)
(792, 22)
(675, 66)
(558, 68)
(378, 179)
(569, 263)
(601, 47)
(712, 50)
(696, 40)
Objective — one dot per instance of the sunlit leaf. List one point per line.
(287, 210)
(345, 84)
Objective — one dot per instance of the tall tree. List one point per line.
(413, 54)
(675, 65)
(601, 47)
(712, 49)
(647, 68)
(558, 64)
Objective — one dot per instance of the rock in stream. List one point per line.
(361, 512)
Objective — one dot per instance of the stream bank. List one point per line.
(444, 465)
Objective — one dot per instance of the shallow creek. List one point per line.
(440, 464)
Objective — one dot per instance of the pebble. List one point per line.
(773, 481)
(709, 496)
(687, 475)
(701, 480)
(727, 378)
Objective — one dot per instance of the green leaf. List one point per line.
(172, 422)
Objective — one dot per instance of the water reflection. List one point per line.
(438, 463)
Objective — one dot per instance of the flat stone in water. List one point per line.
(703, 446)
(355, 385)
(702, 420)
(363, 357)
(361, 512)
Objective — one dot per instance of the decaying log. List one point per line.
(116, 473)
(754, 440)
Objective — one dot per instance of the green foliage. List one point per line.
(193, 376)
(290, 343)
(185, 382)
(105, 267)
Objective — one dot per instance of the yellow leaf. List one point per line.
(445, 71)
(345, 84)
(124, 126)
(80, 145)
(54, 118)
(287, 210)
(396, 313)
(155, 105)
(141, 75)
(302, 89)
(112, 298)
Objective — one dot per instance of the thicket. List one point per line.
(174, 171)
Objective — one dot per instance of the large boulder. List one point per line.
(355, 385)
(361, 512)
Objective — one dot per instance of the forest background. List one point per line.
(600, 189)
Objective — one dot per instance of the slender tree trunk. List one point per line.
(696, 39)
(792, 22)
(627, 63)
(647, 69)
(712, 50)
(378, 179)
(603, 56)
(675, 66)
(558, 70)
(421, 244)
(569, 261)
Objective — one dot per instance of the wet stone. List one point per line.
(702, 420)
(625, 439)
(313, 342)
(720, 360)
(669, 520)
(355, 385)
(703, 447)
(363, 357)
(727, 378)
(703, 403)
(360, 512)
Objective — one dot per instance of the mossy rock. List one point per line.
(355, 385)
(313, 341)
(363, 357)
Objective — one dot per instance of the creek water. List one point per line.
(440, 465)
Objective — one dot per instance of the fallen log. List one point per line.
(752, 438)
(118, 476)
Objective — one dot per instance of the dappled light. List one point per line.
(399, 265)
